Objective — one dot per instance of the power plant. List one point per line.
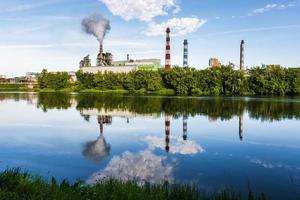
(168, 49)
(104, 59)
(98, 26)
(242, 55)
(185, 53)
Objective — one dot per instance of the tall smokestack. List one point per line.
(101, 48)
(185, 53)
(127, 57)
(242, 55)
(168, 50)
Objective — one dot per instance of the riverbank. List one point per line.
(14, 88)
(116, 91)
(15, 184)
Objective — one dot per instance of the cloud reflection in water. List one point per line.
(177, 145)
(143, 166)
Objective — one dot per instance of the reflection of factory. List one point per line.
(105, 63)
(168, 129)
(99, 149)
(114, 113)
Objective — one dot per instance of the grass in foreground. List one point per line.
(15, 184)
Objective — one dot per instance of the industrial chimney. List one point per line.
(185, 53)
(242, 55)
(168, 50)
(128, 58)
(101, 48)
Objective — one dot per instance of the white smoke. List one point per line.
(96, 25)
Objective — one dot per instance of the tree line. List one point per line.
(273, 80)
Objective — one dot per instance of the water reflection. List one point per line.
(162, 141)
(241, 127)
(99, 149)
(143, 166)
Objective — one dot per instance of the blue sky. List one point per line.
(38, 34)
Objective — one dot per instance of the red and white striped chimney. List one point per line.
(168, 50)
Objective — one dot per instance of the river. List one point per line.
(214, 142)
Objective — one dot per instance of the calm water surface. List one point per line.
(217, 143)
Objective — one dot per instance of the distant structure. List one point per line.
(168, 49)
(167, 131)
(104, 59)
(85, 62)
(184, 119)
(185, 53)
(242, 55)
(232, 65)
(105, 63)
(214, 63)
(271, 65)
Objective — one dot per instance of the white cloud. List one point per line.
(269, 7)
(144, 10)
(177, 145)
(179, 26)
(143, 166)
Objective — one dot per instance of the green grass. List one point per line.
(15, 184)
(12, 87)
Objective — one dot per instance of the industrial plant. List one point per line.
(99, 26)
(105, 63)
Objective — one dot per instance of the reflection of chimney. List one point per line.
(104, 119)
(100, 122)
(185, 118)
(241, 126)
(168, 50)
(167, 131)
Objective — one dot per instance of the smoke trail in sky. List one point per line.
(96, 25)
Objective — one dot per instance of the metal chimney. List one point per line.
(101, 48)
(185, 53)
(242, 55)
(168, 49)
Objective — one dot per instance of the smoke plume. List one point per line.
(96, 25)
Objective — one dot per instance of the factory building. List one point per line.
(214, 63)
(185, 53)
(105, 63)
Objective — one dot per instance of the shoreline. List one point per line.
(17, 184)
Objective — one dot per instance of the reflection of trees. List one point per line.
(214, 108)
(29, 97)
(54, 101)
